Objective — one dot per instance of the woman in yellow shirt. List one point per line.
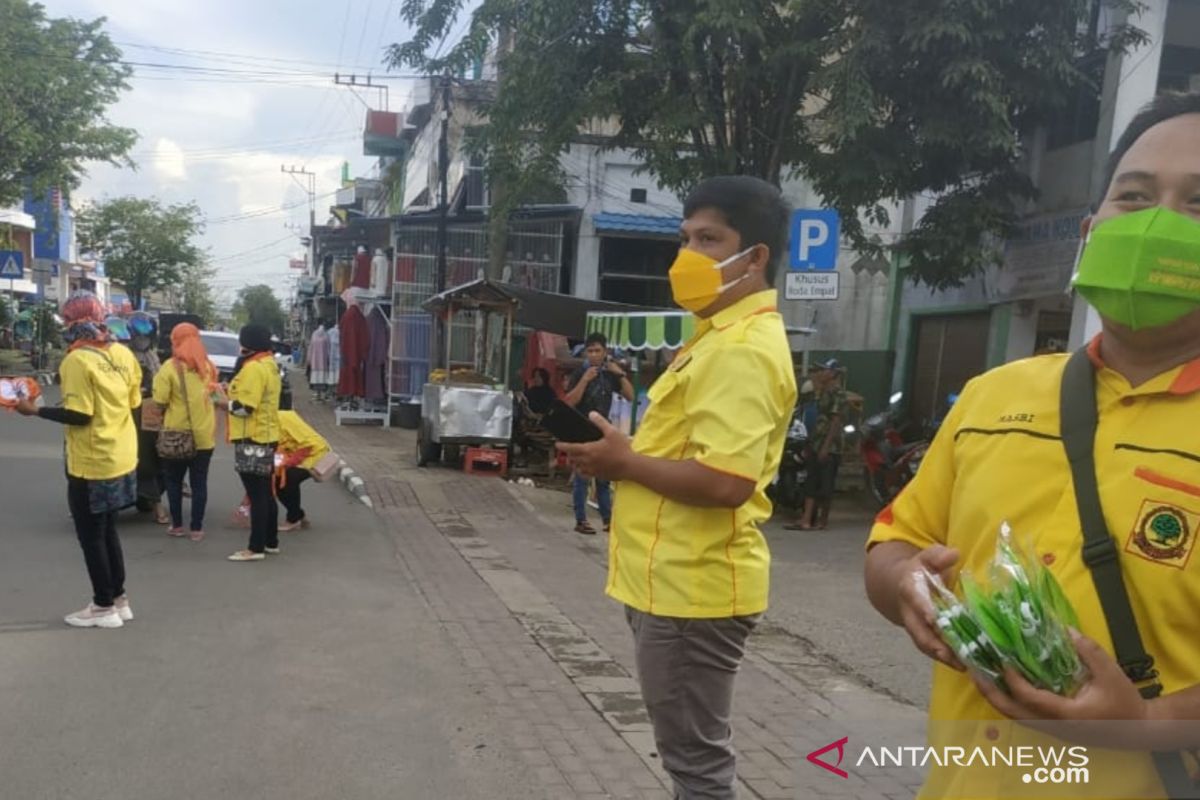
(184, 387)
(301, 448)
(253, 404)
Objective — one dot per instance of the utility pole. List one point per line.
(499, 179)
(311, 188)
(354, 82)
(443, 210)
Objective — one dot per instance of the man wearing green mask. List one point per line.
(686, 556)
(1000, 457)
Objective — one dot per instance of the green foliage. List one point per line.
(196, 294)
(57, 79)
(145, 244)
(259, 305)
(872, 101)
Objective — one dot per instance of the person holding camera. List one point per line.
(592, 388)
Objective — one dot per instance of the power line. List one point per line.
(234, 151)
(234, 256)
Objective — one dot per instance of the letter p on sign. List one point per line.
(814, 240)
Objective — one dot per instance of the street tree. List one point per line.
(259, 305)
(871, 101)
(145, 244)
(196, 294)
(58, 77)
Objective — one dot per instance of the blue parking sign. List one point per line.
(814, 239)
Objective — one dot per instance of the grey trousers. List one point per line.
(686, 668)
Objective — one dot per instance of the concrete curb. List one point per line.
(354, 484)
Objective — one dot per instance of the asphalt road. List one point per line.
(316, 674)
(817, 593)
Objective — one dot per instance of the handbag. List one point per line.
(326, 466)
(152, 416)
(179, 445)
(252, 458)
(1078, 421)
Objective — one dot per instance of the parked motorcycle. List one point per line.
(889, 462)
(787, 490)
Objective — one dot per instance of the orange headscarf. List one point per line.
(188, 349)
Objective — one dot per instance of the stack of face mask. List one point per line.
(1019, 619)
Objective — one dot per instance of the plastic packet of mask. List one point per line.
(1024, 614)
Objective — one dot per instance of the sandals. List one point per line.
(196, 536)
(161, 516)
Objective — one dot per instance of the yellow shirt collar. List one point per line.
(748, 306)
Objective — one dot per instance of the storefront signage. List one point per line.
(1038, 259)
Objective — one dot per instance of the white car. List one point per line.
(223, 350)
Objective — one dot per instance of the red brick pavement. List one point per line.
(522, 600)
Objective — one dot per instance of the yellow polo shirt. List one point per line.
(257, 386)
(725, 402)
(169, 393)
(997, 458)
(104, 383)
(296, 434)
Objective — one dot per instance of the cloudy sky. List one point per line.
(247, 87)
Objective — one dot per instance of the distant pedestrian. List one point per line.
(253, 405)
(184, 388)
(143, 331)
(301, 448)
(592, 388)
(686, 556)
(826, 442)
(101, 386)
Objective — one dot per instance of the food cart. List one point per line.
(464, 407)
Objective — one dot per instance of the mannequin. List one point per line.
(362, 269)
(320, 376)
(380, 283)
(354, 342)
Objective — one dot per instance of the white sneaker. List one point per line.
(124, 610)
(272, 550)
(246, 555)
(94, 617)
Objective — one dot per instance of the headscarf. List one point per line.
(188, 349)
(83, 319)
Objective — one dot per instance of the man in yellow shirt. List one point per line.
(686, 556)
(101, 385)
(1000, 457)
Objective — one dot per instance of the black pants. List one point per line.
(101, 548)
(289, 493)
(176, 471)
(264, 514)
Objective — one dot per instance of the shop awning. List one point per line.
(637, 224)
(656, 330)
(563, 314)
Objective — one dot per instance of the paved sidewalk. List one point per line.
(522, 599)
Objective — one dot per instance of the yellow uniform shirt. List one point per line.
(104, 383)
(725, 402)
(169, 393)
(257, 386)
(296, 434)
(997, 458)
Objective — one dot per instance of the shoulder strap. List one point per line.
(1077, 425)
(183, 388)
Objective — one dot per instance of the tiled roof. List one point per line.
(637, 223)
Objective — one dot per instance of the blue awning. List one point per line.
(637, 223)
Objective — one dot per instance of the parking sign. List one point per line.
(814, 240)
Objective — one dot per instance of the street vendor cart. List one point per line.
(462, 405)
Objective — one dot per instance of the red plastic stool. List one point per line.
(485, 460)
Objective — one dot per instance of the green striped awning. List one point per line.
(654, 330)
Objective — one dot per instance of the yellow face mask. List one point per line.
(696, 278)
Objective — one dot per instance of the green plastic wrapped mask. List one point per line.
(1142, 270)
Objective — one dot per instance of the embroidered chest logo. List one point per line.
(1163, 533)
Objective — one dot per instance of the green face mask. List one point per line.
(1142, 270)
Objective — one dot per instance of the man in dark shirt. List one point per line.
(592, 388)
